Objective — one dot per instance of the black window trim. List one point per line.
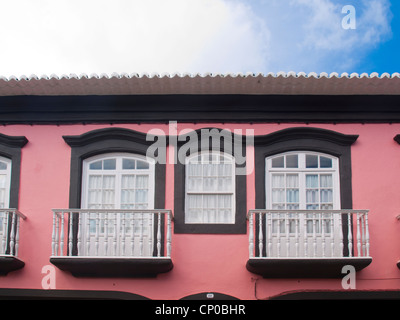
(105, 141)
(305, 139)
(239, 227)
(10, 148)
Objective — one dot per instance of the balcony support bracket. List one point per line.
(305, 267)
(9, 263)
(115, 267)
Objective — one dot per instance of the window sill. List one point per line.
(210, 228)
(106, 267)
(304, 267)
(9, 263)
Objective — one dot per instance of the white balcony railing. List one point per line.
(9, 231)
(111, 233)
(308, 233)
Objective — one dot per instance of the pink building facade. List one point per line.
(167, 188)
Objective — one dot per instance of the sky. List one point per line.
(63, 37)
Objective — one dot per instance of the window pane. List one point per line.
(278, 196)
(210, 170)
(292, 196)
(195, 170)
(142, 181)
(2, 197)
(292, 161)
(278, 180)
(326, 180)
(210, 184)
(128, 181)
(224, 172)
(311, 161)
(278, 162)
(3, 165)
(127, 198)
(312, 196)
(225, 201)
(108, 200)
(325, 162)
(128, 164)
(3, 181)
(142, 164)
(109, 164)
(141, 196)
(195, 184)
(312, 181)
(95, 191)
(326, 196)
(94, 182)
(194, 208)
(292, 191)
(96, 165)
(292, 181)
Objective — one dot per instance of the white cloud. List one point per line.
(323, 27)
(96, 36)
(196, 36)
(318, 40)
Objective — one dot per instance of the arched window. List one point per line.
(5, 181)
(210, 188)
(118, 181)
(301, 174)
(110, 172)
(301, 180)
(94, 145)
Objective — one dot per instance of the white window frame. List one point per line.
(302, 171)
(6, 200)
(231, 192)
(146, 232)
(118, 172)
(307, 226)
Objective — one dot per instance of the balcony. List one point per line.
(9, 240)
(307, 243)
(112, 243)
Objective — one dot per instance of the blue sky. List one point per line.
(310, 37)
(385, 57)
(45, 37)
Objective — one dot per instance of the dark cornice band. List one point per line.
(106, 134)
(306, 133)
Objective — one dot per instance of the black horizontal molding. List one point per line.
(104, 134)
(199, 108)
(13, 141)
(306, 133)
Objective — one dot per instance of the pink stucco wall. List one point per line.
(206, 263)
